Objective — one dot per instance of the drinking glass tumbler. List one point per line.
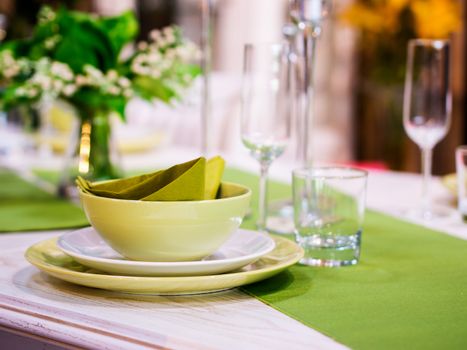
(329, 207)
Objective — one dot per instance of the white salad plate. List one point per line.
(242, 248)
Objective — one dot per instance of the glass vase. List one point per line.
(91, 154)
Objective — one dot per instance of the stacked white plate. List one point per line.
(82, 257)
(243, 247)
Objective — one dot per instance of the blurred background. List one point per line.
(359, 73)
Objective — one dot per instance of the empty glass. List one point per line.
(307, 17)
(265, 122)
(329, 207)
(427, 105)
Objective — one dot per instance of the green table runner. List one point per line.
(24, 207)
(409, 290)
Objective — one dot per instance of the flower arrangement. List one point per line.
(78, 57)
(90, 62)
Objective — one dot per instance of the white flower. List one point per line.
(6, 58)
(93, 72)
(81, 80)
(128, 93)
(155, 34)
(46, 14)
(62, 71)
(140, 59)
(170, 54)
(139, 68)
(51, 42)
(11, 72)
(188, 52)
(154, 57)
(32, 92)
(155, 73)
(113, 90)
(124, 82)
(43, 81)
(169, 35)
(20, 92)
(112, 75)
(161, 42)
(165, 64)
(43, 65)
(24, 65)
(168, 31)
(9, 66)
(69, 90)
(57, 85)
(142, 45)
(170, 39)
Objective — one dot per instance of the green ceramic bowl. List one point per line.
(168, 231)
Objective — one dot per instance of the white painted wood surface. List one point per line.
(35, 304)
(32, 302)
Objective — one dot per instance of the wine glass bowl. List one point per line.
(309, 12)
(427, 104)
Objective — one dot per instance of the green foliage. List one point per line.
(88, 100)
(83, 42)
(148, 87)
(9, 99)
(58, 60)
(120, 30)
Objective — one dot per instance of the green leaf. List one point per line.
(83, 42)
(19, 48)
(120, 29)
(181, 70)
(192, 69)
(117, 104)
(149, 89)
(75, 55)
(88, 100)
(9, 99)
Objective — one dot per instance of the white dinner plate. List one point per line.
(242, 248)
(47, 257)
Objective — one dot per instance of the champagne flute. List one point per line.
(307, 18)
(427, 105)
(266, 109)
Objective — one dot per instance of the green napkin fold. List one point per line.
(214, 171)
(197, 179)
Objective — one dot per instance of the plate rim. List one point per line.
(271, 244)
(60, 270)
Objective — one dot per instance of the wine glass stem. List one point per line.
(310, 58)
(263, 194)
(206, 43)
(426, 169)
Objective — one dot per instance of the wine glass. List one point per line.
(266, 109)
(427, 105)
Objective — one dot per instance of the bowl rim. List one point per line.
(118, 200)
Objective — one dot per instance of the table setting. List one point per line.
(400, 267)
(205, 250)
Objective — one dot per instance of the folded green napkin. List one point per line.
(197, 179)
